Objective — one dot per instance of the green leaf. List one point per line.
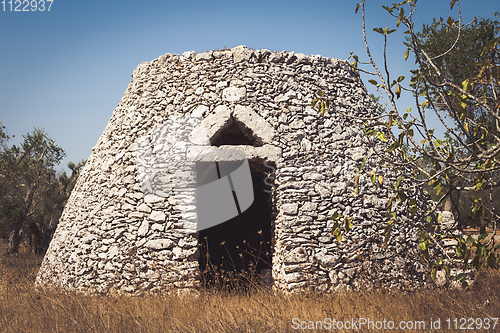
(399, 181)
(336, 216)
(363, 162)
(381, 136)
(347, 224)
(433, 182)
(466, 258)
(373, 82)
(482, 236)
(476, 262)
(439, 187)
(373, 177)
(314, 102)
(328, 104)
(433, 273)
(424, 250)
(484, 134)
(393, 146)
(336, 232)
(452, 3)
(369, 131)
(389, 204)
(397, 91)
(387, 231)
(401, 195)
(478, 183)
(465, 84)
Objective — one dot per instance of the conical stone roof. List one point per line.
(131, 224)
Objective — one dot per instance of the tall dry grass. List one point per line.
(24, 309)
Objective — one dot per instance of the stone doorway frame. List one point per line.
(263, 154)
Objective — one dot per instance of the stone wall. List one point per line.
(119, 234)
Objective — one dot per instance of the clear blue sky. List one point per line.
(67, 69)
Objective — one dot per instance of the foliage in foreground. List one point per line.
(458, 82)
(24, 309)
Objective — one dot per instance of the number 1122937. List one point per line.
(26, 5)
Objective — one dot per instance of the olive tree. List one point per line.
(32, 194)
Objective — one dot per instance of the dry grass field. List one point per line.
(24, 309)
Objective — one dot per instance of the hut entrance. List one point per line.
(238, 252)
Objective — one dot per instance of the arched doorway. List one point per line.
(236, 252)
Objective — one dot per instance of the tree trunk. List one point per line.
(17, 226)
(13, 246)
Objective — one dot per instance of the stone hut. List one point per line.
(226, 141)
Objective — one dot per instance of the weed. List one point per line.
(252, 309)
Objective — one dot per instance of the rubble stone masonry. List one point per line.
(122, 234)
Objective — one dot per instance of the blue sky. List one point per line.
(67, 69)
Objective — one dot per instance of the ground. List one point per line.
(24, 309)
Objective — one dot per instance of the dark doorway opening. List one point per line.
(238, 253)
(235, 134)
